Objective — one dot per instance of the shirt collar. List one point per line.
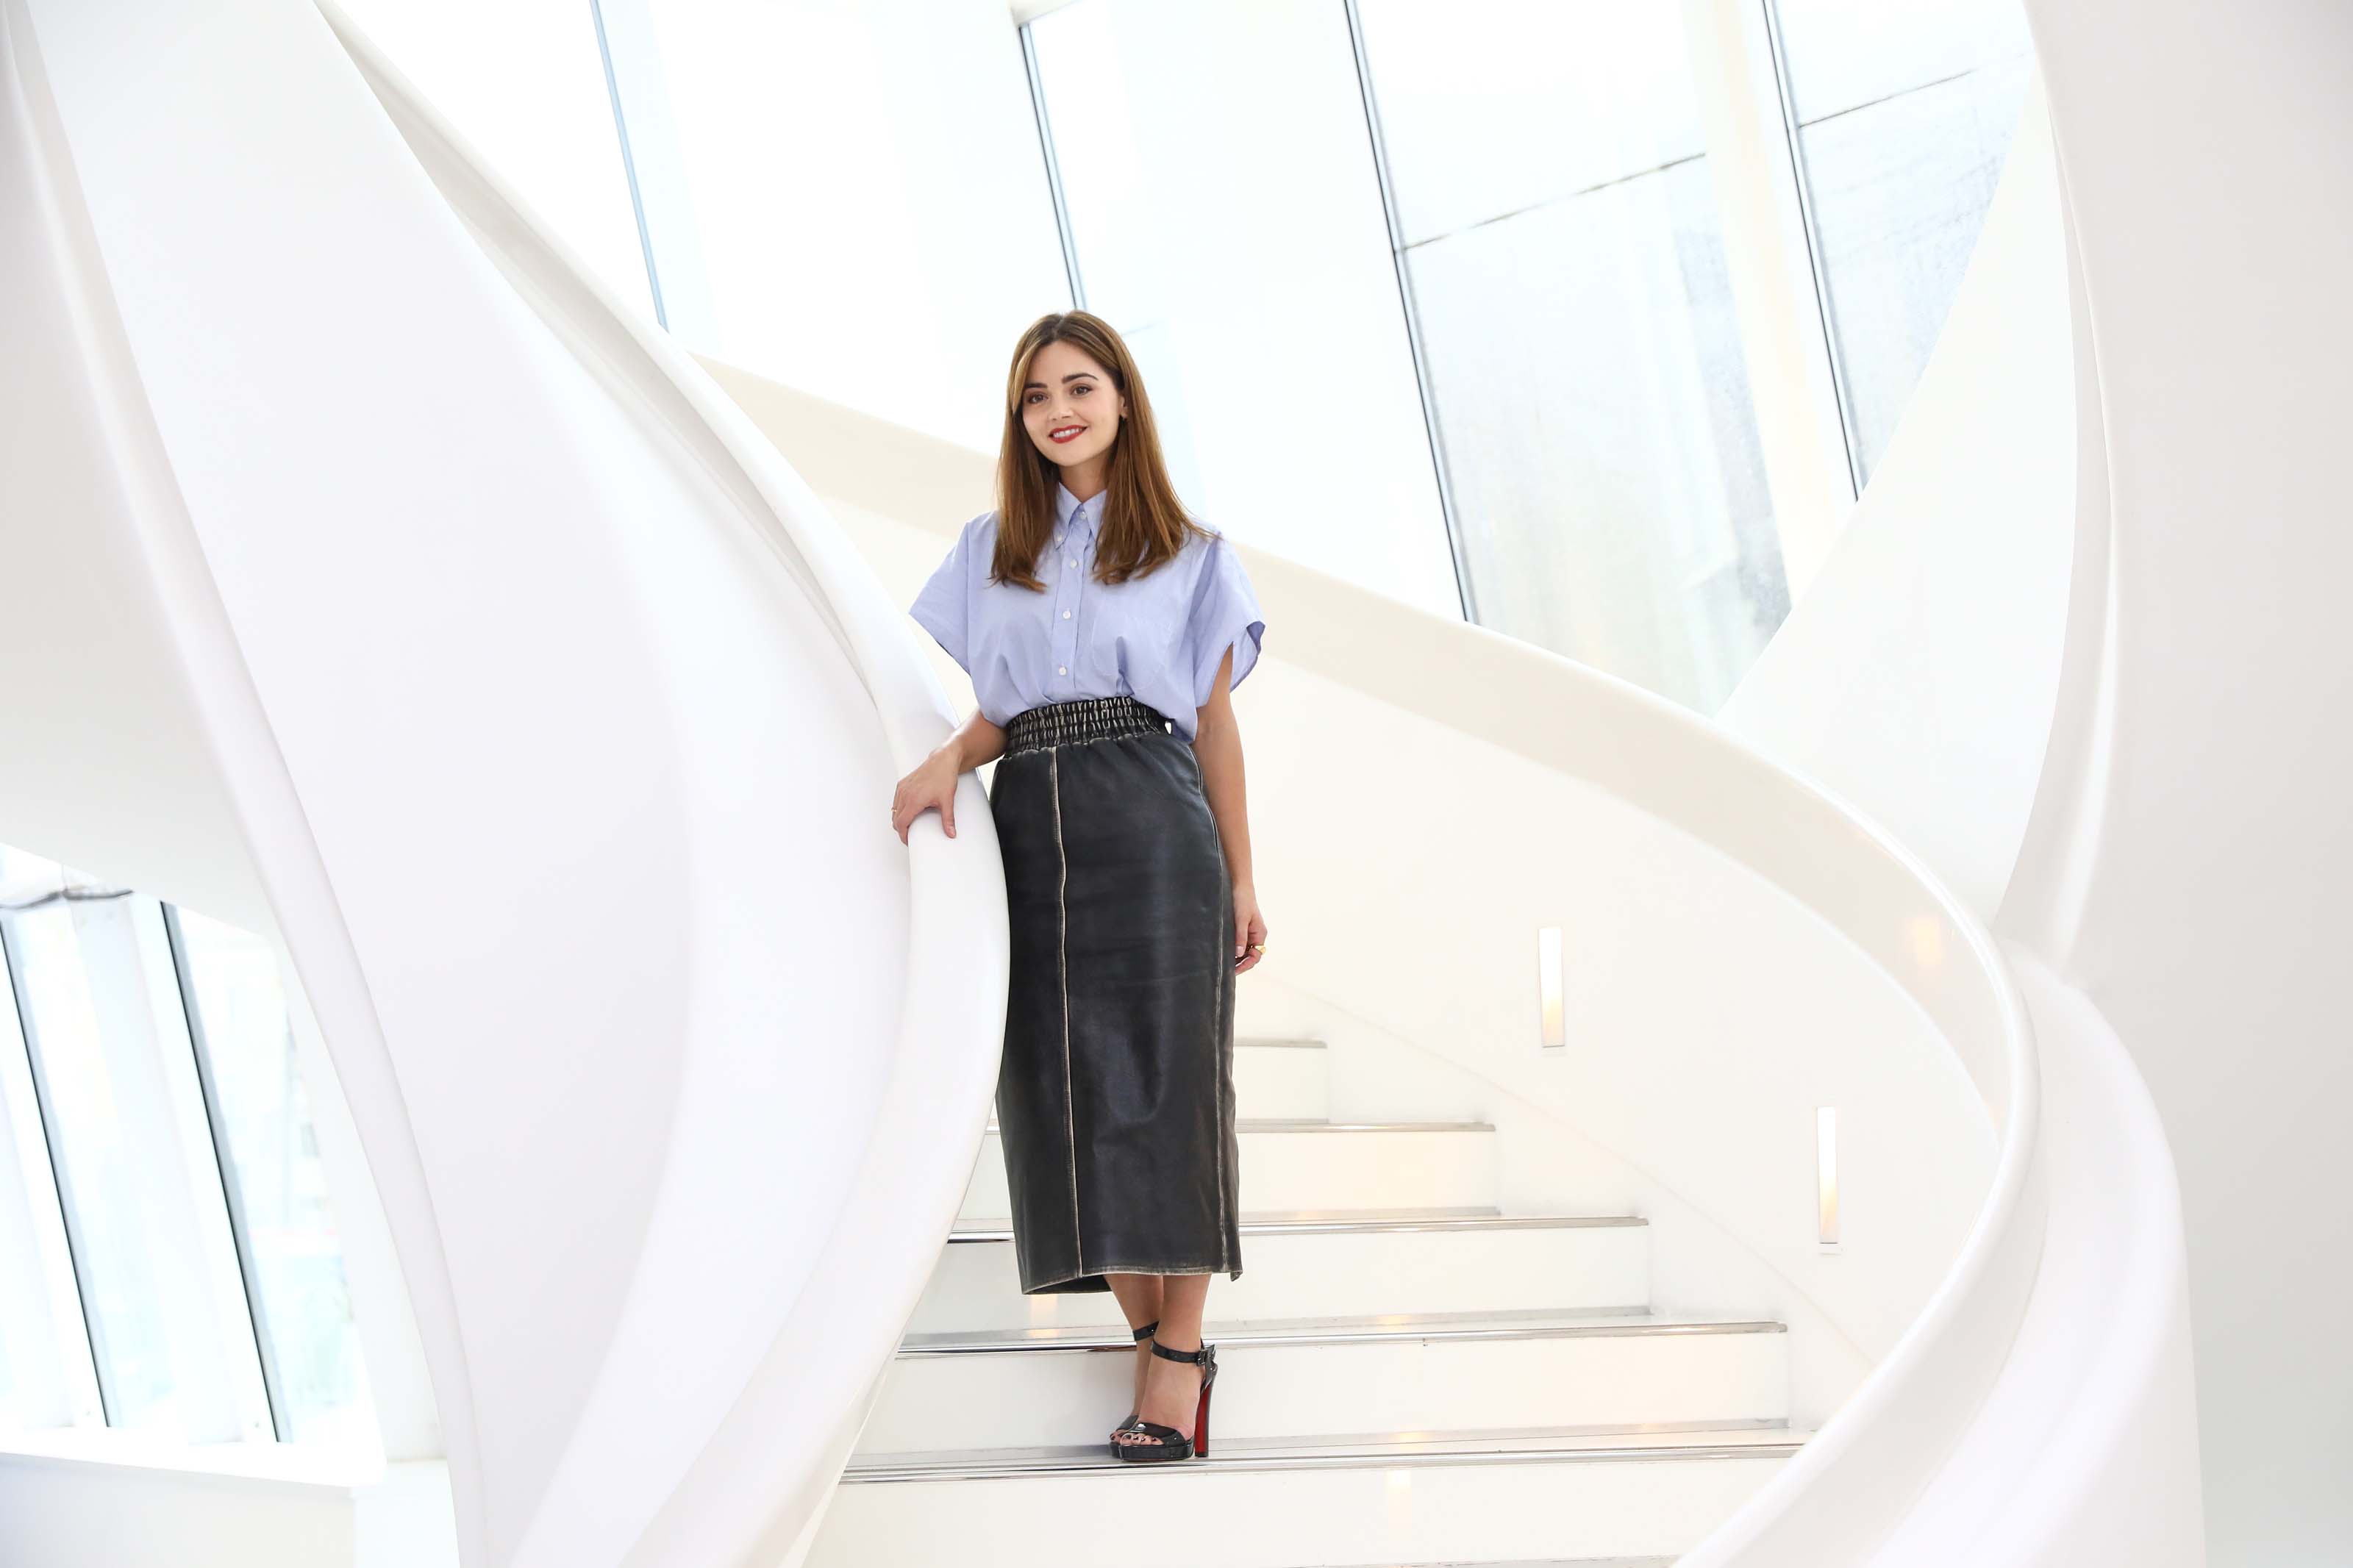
(1065, 504)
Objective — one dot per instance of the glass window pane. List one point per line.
(1905, 112)
(121, 1229)
(1844, 54)
(153, 1253)
(46, 1378)
(1492, 107)
(1609, 486)
(1578, 334)
(28, 1336)
(304, 1305)
(1224, 205)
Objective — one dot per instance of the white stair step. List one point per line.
(1364, 1375)
(1547, 1562)
(1282, 1078)
(1328, 1265)
(1315, 1164)
(1447, 1497)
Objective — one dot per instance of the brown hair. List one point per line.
(1142, 524)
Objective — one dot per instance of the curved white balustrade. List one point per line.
(2085, 1449)
(1890, 681)
(1749, 877)
(396, 589)
(2190, 864)
(1893, 683)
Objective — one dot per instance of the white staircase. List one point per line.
(1406, 1375)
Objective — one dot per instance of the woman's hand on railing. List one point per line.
(933, 784)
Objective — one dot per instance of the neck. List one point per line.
(1088, 479)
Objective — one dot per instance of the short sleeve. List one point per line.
(944, 607)
(1225, 615)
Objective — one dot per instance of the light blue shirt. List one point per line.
(1157, 637)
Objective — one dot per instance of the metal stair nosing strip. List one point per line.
(1547, 1563)
(1322, 1124)
(1419, 1452)
(1345, 1221)
(1403, 1328)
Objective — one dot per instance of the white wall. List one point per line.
(141, 790)
(2192, 869)
(64, 1510)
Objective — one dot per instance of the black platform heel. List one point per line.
(1142, 1334)
(1168, 1443)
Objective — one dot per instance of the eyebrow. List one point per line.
(1075, 376)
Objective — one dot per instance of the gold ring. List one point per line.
(1257, 947)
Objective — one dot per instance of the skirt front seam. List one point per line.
(1062, 960)
(1225, 1031)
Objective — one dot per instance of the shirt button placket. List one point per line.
(1070, 583)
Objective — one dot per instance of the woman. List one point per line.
(1104, 631)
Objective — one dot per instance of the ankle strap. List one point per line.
(1199, 1355)
(1145, 1333)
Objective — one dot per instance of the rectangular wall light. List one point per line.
(1826, 1175)
(1549, 985)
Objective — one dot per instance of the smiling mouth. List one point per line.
(1067, 433)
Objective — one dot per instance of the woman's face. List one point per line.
(1070, 406)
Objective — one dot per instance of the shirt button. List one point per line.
(1069, 563)
(1066, 614)
(1061, 670)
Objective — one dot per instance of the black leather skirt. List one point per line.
(1115, 1095)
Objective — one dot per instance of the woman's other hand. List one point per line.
(933, 784)
(1249, 926)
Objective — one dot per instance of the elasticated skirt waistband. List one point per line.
(1083, 719)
